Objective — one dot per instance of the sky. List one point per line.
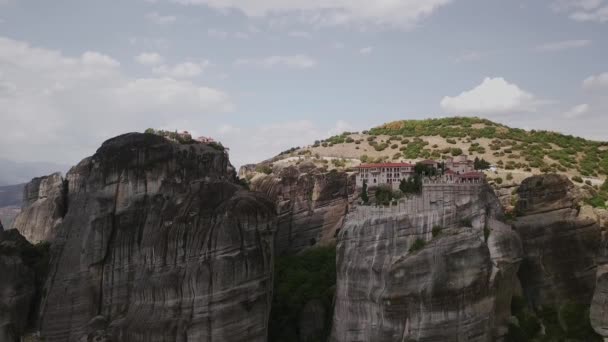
(262, 76)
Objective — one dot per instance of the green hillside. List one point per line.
(512, 147)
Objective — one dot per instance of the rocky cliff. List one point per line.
(439, 267)
(561, 245)
(159, 244)
(44, 204)
(21, 271)
(311, 204)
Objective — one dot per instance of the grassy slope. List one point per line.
(514, 150)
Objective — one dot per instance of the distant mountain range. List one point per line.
(13, 172)
(11, 195)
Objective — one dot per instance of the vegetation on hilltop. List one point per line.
(509, 148)
(590, 158)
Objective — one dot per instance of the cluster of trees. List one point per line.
(480, 164)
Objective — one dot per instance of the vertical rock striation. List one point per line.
(44, 204)
(560, 245)
(159, 244)
(17, 285)
(311, 204)
(457, 287)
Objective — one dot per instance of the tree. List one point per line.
(411, 185)
(149, 131)
(481, 164)
(364, 195)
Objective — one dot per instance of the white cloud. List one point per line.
(51, 102)
(159, 19)
(596, 81)
(492, 96)
(366, 50)
(181, 70)
(583, 10)
(149, 58)
(300, 34)
(403, 14)
(577, 111)
(563, 45)
(295, 61)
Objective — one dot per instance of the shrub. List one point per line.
(264, 168)
(456, 151)
(394, 146)
(417, 245)
(577, 179)
(381, 147)
(364, 195)
(588, 182)
(498, 180)
(451, 141)
(364, 158)
(466, 222)
(509, 176)
(436, 231)
(384, 195)
(596, 201)
(349, 140)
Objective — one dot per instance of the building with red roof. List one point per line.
(389, 174)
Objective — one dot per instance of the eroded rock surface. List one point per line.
(44, 204)
(560, 244)
(17, 285)
(159, 244)
(457, 287)
(311, 204)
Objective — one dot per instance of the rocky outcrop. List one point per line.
(159, 244)
(44, 204)
(17, 284)
(311, 204)
(400, 281)
(560, 244)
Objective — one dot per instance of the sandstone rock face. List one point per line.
(17, 286)
(44, 204)
(311, 204)
(560, 244)
(159, 244)
(457, 287)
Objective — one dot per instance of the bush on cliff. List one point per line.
(417, 245)
(299, 279)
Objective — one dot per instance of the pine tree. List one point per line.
(364, 196)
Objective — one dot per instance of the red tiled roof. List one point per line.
(370, 166)
(472, 175)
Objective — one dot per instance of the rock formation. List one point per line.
(17, 284)
(44, 204)
(311, 204)
(560, 245)
(159, 244)
(392, 286)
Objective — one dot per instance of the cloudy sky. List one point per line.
(266, 75)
